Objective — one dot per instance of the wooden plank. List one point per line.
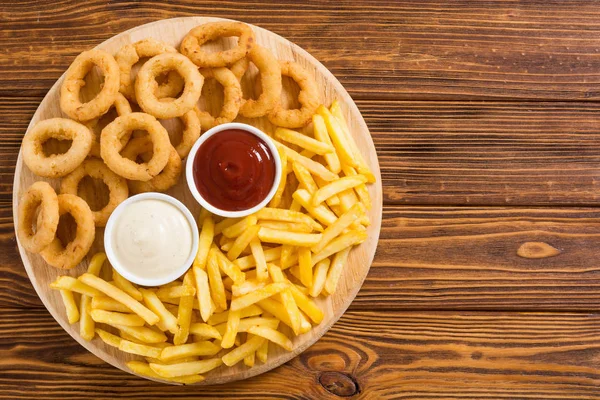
(448, 153)
(392, 355)
(386, 49)
(444, 258)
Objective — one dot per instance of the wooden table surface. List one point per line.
(485, 116)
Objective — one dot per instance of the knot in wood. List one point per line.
(339, 384)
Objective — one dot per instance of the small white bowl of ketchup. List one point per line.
(233, 170)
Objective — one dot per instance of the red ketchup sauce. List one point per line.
(234, 170)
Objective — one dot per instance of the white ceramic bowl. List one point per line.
(189, 169)
(178, 270)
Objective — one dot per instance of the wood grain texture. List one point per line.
(398, 355)
(357, 266)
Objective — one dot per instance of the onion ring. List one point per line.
(123, 108)
(56, 165)
(74, 81)
(240, 66)
(191, 131)
(110, 146)
(146, 85)
(131, 54)
(95, 168)
(232, 98)
(190, 46)
(41, 195)
(270, 77)
(308, 98)
(67, 257)
(167, 178)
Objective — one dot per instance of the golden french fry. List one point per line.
(292, 238)
(86, 323)
(126, 286)
(204, 213)
(272, 335)
(74, 285)
(305, 263)
(226, 223)
(249, 311)
(321, 212)
(139, 349)
(335, 270)
(184, 369)
(335, 187)
(96, 263)
(331, 201)
(106, 303)
(307, 305)
(305, 178)
(286, 253)
(245, 263)
(205, 331)
(286, 298)
(319, 277)
(236, 230)
(248, 286)
(174, 361)
(70, 305)
(242, 241)
(346, 240)
(335, 229)
(361, 190)
(215, 281)
(287, 226)
(246, 323)
(173, 292)
(305, 325)
(227, 246)
(304, 141)
(228, 267)
(276, 200)
(142, 334)
(108, 338)
(167, 322)
(347, 200)
(239, 303)
(233, 322)
(278, 214)
(204, 348)
(206, 238)
(114, 318)
(142, 368)
(121, 296)
(259, 256)
(263, 352)
(320, 130)
(338, 137)
(203, 292)
(239, 353)
(275, 308)
(184, 311)
(249, 359)
(313, 166)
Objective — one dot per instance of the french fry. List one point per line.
(305, 263)
(246, 323)
(307, 305)
(236, 230)
(242, 241)
(331, 201)
(346, 240)
(319, 277)
(239, 303)
(204, 213)
(335, 270)
(305, 325)
(259, 256)
(233, 322)
(347, 200)
(86, 323)
(272, 335)
(70, 305)
(228, 267)
(361, 190)
(287, 226)
(226, 223)
(142, 334)
(106, 303)
(204, 348)
(126, 286)
(114, 318)
(108, 338)
(205, 331)
(227, 246)
(184, 311)
(206, 238)
(96, 263)
(286, 298)
(321, 213)
(239, 353)
(188, 368)
(121, 296)
(139, 349)
(304, 141)
(305, 178)
(203, 292)
(249, 359)
(277, 214)
(295, 206)
(167, 322)
(262, 352)
(74, 285)
(313, 166)
(335, 187)
(320, 130)
(173, 292)
(338, 137)
(276, 200)
(277, 309)
(126, 336)
(286, 253)
(215, 281)
(335, 229)
(249, 311)
(142, 368)
(292, 238)
(248, 286)
(246, 263)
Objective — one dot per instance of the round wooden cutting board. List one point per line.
(172, 31)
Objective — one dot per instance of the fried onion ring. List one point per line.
(167, 178)
(146, 85)
(308, 98)
(95, 168)
(56, 165)
(41, 195)
(232, 98)
(191, 131)
(123, 108)
(67, 257)
(74, 81)
(131, 54)
(110, 146)
(240, 67)
(270, 77)
(190, 46)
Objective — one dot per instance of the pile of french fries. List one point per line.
(251, 278)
